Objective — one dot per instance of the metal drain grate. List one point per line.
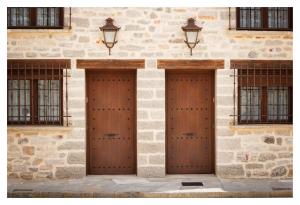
(22, 190)
(192, 183)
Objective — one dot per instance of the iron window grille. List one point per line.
(35, 17)
(264, 18)
(263, 91)
(37, 91)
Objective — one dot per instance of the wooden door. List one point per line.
(190, 119)
(111, 121)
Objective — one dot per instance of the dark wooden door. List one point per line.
(111, 122)
(190, 111)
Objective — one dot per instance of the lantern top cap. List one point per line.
(109, 26)
(191, 26)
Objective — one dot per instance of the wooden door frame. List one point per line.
(110, 65)
(195, 66)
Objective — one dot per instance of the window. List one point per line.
(35, 92)
(264, 18)
(35, 18)
(264, 91)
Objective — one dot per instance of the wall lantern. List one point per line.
(109, 33)
(191, 31)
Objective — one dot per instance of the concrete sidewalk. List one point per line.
(132, 186)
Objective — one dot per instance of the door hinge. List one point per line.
(213, 100)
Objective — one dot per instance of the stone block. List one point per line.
(242, 157)
(33, 169)
(270, 165)
(81, 22)
(279, 171)
(69, 172)
(18, 168)
(47, 167)
(225, 157)
(285, 155)
(74, 53)
(142, 114)
(151, 83)
(224, 132)
(229, 144)
(151, 104)
(153, 147)
(48, 175)
(160, 93)
(252, 54)
(134, 28)
(71, 145)
(283, 132)
(151, 73)
(230, 171)
(151, 63)
(28, 150)
(273, 42)
(83, 39)
(157, 159)
(145, 135)
(145, 94)
(269, 139)
(151, 171)
(131, 48)
(160, 136)
(278, 140)
(224, 100)
(156, 125)
(23, 140)
(260, 173)
(142, 160)
(133, 13)
(157, 114)
(254, 166)
(266, 157)
(26, 175)
(76, 158)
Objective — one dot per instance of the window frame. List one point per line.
(263, 81)
(264, 108)
(35, 70)
(264, 21)
(33, 19)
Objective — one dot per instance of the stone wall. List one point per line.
(151, 121)
(150, 33)
(44, 153)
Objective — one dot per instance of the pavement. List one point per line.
(132, 186)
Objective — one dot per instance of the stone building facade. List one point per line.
(241, 151)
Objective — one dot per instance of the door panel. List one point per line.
(190, 121)
(111, 121)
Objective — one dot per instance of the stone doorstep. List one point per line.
(132, 186)
(280, 194)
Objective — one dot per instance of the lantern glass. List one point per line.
(191, 37)
(109, 37)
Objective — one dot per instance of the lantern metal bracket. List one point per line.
(109, 26)
(191, 27)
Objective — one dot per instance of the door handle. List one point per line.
(110, 134)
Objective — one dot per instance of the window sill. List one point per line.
(39, 30)
(32, 128)
(263, 126)
(233, 31)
